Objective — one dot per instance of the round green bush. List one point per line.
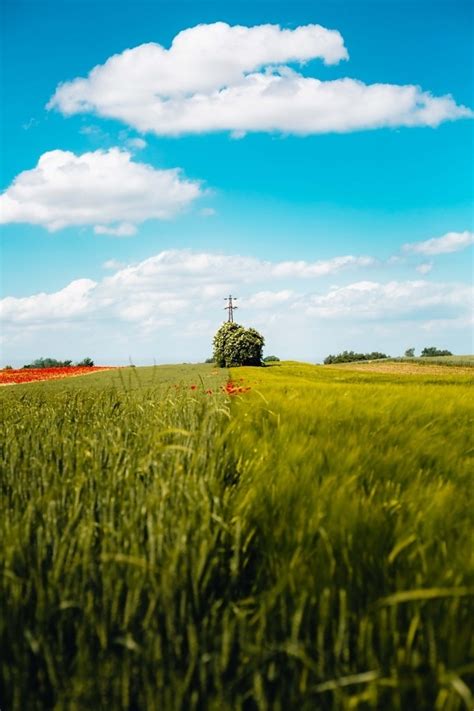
(235, 345)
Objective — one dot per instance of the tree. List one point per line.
(410, 353)
(271, 359)
(221, 342)
(86, 363)
(236, 345)
(433, 351)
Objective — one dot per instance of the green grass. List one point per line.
(304, 546)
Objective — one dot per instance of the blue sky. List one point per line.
(279, 202)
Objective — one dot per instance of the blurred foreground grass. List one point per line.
(307, 545)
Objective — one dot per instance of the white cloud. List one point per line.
(203, 59)
(104, 189)
(321, 267)
(206, 270)
(136, 143)
(463, 322)
(169, 306)
(269, 299)
(183, 281)
(68, 303)
(238, 79)
(31, 123)
(124, 229)
(367, 300)
(424, 268)
(95, 131)
(113, 264)
(166, 282)
(450, 242)
(207, 212)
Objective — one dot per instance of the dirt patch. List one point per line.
(407, 368)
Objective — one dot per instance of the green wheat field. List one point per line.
(302, 545)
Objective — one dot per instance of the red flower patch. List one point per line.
(231, 388)
(30, 375)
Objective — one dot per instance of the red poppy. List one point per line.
(231, 388)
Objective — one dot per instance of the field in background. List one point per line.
(464, 361)
(456, 360)
(400, 368)
(305, 545)
(132, 378)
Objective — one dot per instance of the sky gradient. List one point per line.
(315, 159)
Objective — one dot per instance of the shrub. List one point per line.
(236, 345)
(271, 359)
(432, 351)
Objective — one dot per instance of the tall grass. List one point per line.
(304, 546)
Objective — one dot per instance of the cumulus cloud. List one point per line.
(208, 270)
(137, 143)
(367, 300)
(270, 299)
(104, 189)
(450, 242)
(424, 268)
(68, 303)
(201, 59)
(320, 268)
(165, 283)
(463, 322)
(207, 212)
(125, 229)
(113, 264)
(178, 283)
(169, 306)
(231, 78)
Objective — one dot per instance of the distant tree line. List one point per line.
(53, 363)
(350, 356)
(432, 351)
